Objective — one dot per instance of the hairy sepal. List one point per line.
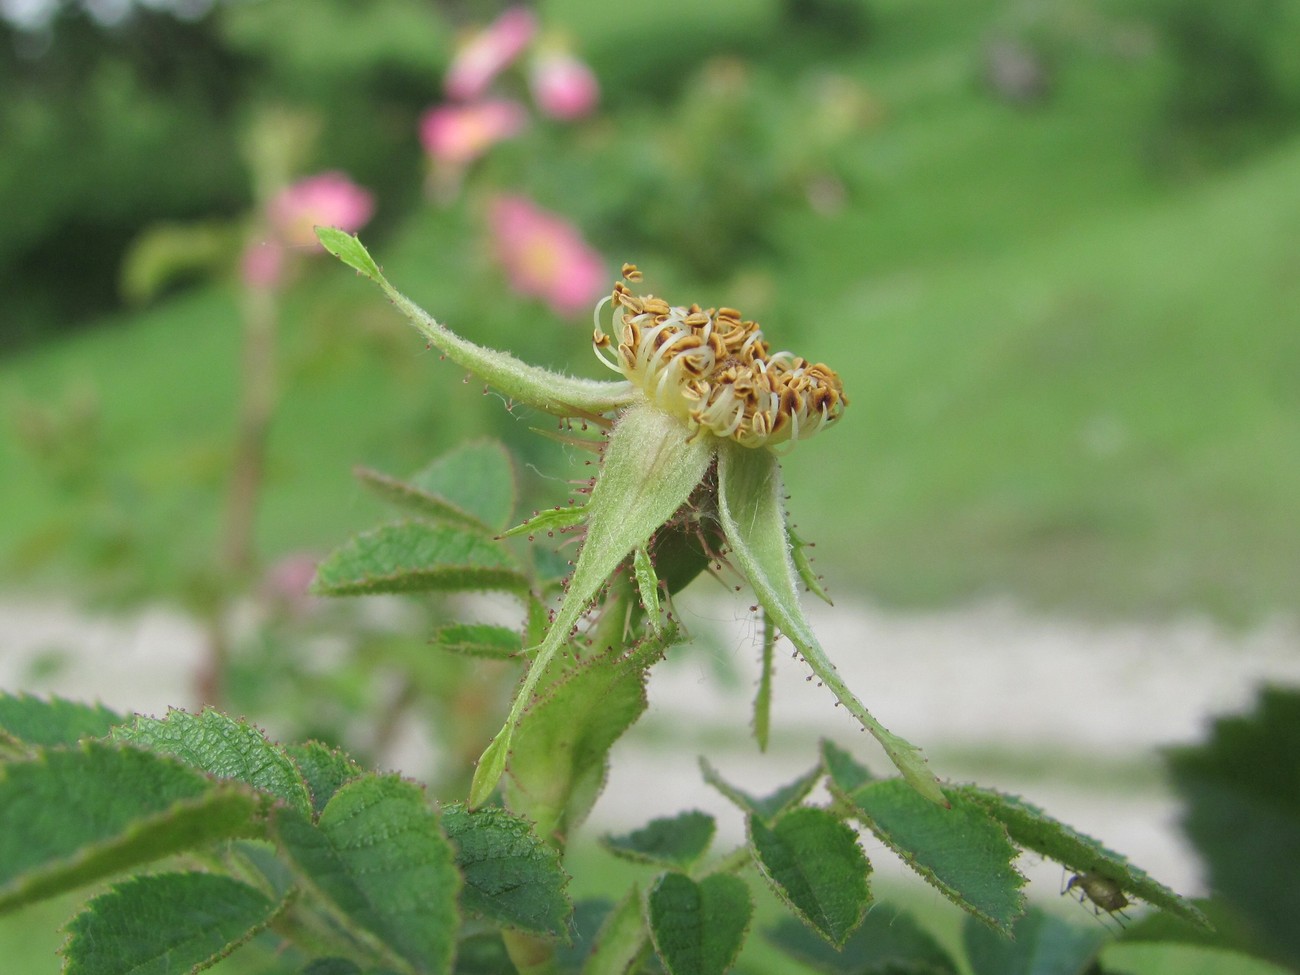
(551, 392)
(652, 464)
(753, 519)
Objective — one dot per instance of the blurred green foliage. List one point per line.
(1070, 364)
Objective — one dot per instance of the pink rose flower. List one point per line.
(326, 200)
(545, 256)
(488, 52)
(459, 134)
(563, 86)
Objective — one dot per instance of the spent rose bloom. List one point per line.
(458, 134)
(545, 256)
(488, 52)
(695, 421)
(326, 200)
(562, 85)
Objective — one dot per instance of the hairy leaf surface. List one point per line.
(164, 923)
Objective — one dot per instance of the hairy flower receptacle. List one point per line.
(713, 369)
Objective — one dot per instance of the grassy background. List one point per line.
(1073, 376)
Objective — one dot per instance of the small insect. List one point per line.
(1105, 894)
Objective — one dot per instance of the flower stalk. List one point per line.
(701, 391)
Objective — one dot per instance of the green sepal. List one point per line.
(750, 507)
(647, 584)
(551, 392)
(803, 566)
(652, 464)
(565, 736)
(763, 696)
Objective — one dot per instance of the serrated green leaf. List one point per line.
(472, 486)
(324, 770)
(551, 392)
(845, 772)
(477, 478)
(888, 942)
(549, 521)
(1041, 944)
(961, 850)
(561, 751)
(73, 816)
(378, 856)
(621, 939)
(678, 841)
(698, 928)
(813, 862)
(479, 640)
(164, 923)
(349, 249)
(768, 807)
(511, 876)
(1160, 958)
(750, 507)
(1033, 829)
(416, 556)
(219, 745)
(652, 463)
(34, 721)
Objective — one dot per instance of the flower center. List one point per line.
(714, 370)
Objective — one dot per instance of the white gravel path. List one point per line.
(1069, 714)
